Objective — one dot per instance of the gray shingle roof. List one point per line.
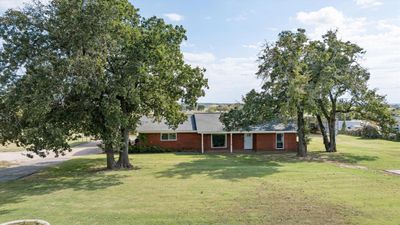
(207, 123)
(273, 126)
(149, 125)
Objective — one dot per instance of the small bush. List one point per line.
(354, 132)
(148, 149)
(370, 131)
(397, 137)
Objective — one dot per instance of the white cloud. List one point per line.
(257, 45)
(229, 78)
(380, 39)
(368, 3)
(329, 18)
(199, 58)
(7, 4)
(174, 17)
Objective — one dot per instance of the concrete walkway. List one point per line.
(24, 166)
(397, 172)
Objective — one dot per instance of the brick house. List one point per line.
(204, 132)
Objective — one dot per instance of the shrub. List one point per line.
(397, 137)
(148, 149)
(354, 132)
(370, 131)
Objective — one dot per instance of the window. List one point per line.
(168, 137)
(279, 141)
(218, 140)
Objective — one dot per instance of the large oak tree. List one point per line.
(321, 78)
(284, 93)
(340, 86)
(93, 67)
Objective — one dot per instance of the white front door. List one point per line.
(248, 141)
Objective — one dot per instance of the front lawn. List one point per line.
(348, 187)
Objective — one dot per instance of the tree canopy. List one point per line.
(340, 85)
(284, 94)
(93, 67)
(322, 78)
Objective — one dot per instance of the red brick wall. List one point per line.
(184, 141)
(263, 142)
(290, 142)
(267, 142)
(238, 142)
(192, 142)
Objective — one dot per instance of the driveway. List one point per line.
(23, 166)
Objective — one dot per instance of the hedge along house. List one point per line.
(204, 132)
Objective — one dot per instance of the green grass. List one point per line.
(217, 189)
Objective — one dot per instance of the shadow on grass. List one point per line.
(339, 157)
(240, 166)
(75, 174)
(224, 166)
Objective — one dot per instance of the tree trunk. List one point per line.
(332, 134)
(123, 161)
(110, 156)
(323, 133)
(302, 145)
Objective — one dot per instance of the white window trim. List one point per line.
(226, 140)
(176, 137)
(283, 141)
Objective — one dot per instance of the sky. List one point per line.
(225, 36)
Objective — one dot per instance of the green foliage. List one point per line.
(286, 88)
(91, 67)
(201, 107)
(370, 131)
(148, 149)
(142, 138)
(344, 127)
(397, 136)
(340, 84)
(285, 72)
(373, 107)
(255, 110)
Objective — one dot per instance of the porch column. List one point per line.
(231, 144)
(202, 143)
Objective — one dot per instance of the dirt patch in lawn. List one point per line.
(270, 204)
(352, 166)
